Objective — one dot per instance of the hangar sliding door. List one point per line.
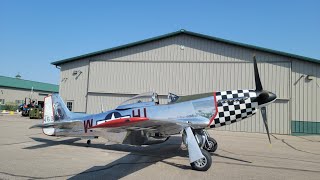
(111, 82)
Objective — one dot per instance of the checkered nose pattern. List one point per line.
(233, 106)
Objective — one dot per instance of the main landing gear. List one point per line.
(204, 163)
(211, 145)
(199, 145)
(205, 141)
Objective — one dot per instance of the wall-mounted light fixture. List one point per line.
(310, 77)
(77, 73)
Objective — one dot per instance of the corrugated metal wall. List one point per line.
(73, 87)
(186, 65)
(306, 97)
(186, 78)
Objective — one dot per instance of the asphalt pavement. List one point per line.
(29, 154)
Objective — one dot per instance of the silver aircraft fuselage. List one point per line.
(209, 110)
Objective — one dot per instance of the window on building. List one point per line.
(69, 105)
(2, 101)
(18, 102)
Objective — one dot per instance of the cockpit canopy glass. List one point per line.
(142, 98)
(149, 97)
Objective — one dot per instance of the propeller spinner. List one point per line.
(263, 97)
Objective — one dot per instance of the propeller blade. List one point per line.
(265, 121)
(256, 75)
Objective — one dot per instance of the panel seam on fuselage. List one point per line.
(216, 106)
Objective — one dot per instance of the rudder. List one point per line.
(54, 110)
(48, 115)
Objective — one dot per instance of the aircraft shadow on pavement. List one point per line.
(139, 157)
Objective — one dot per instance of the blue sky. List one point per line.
(35, 33)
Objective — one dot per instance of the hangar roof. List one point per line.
(26, 84)
(182, 31)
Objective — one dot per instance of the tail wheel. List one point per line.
(202, 164)
(88, 142)
(211, 145)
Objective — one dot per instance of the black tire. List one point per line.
(202, 164)
(212, 146)
(88, 142)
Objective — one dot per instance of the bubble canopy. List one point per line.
(141, 98)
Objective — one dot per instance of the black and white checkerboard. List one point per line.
(233, 106)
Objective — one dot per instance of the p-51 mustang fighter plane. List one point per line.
(141, 120)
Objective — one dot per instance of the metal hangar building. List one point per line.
(15, 90)
(185, 63)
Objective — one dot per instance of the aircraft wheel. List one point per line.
(88, 142)
(202, 164)
(211, 145)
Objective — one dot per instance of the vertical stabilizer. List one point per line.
(48, 115)
(54, 110)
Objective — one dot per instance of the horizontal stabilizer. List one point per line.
(62, 124)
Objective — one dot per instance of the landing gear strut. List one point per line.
(199, 143)
(205, 141)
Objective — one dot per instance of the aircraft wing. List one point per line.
(143, 123)
(134, 130)
(60, 124)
